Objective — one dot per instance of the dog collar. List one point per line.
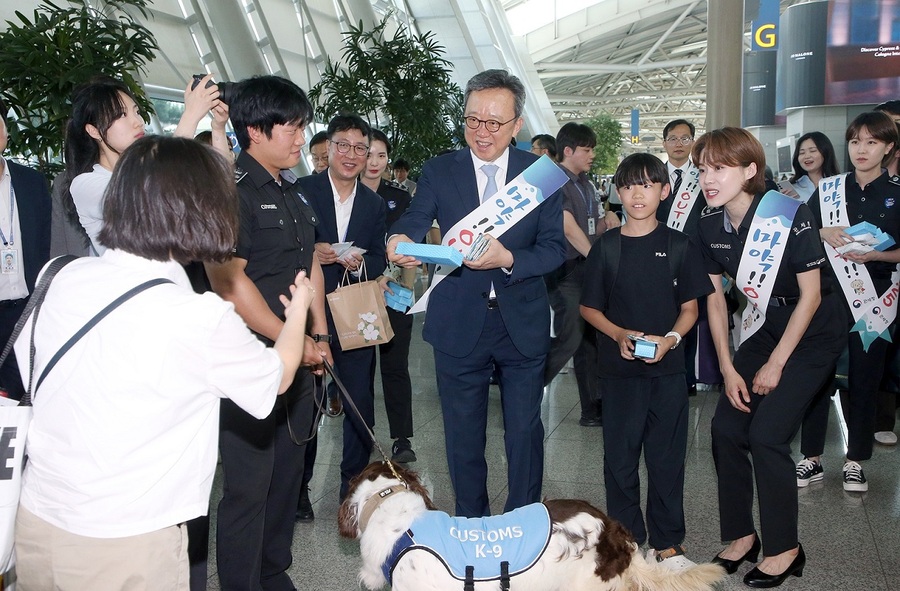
(373, 502)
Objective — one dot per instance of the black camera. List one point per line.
(226, 89)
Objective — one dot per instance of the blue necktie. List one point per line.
(490, 170)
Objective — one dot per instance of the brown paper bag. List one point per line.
(360, 318)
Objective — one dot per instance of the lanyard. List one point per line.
(12, 222)
(588, 201)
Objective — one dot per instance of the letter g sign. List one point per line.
(765, 36)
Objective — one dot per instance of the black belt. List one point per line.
(782, 301)
(493, 304)
(12, 303)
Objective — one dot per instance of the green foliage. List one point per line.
(45, 57)
(609, 143)
(401, 84)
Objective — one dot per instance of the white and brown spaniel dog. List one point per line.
(557, 545)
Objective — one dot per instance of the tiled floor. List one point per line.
(852, 540)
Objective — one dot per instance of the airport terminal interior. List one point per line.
(644, 63)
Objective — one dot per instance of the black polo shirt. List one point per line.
(877, 203)
(277, 229)
(722, 247)
(396, 200)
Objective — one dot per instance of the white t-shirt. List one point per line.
(87, 193)
(125, 429)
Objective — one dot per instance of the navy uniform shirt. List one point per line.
(722, 246)
(277, 229)
(396, 200)
(877, 203)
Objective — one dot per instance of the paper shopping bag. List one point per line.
(360, 318)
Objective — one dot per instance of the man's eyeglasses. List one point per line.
(491, 125)
(344, 147)
(683, 140)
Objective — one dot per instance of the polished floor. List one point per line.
(852, 540)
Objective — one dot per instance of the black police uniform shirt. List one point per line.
(643, 298)
(722, 247)
(277, 229)
(879, 204)
(396, 200)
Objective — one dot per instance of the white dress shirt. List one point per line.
(126, 425)
(12, 285)
(342, 209)
(481, 178)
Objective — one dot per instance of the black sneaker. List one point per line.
(402, 452)
(809, 471)
(854, 479)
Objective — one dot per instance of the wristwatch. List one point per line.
(677, 336)
(322, 338)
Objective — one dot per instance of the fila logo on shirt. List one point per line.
(660, 254)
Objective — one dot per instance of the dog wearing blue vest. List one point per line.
(557, 545)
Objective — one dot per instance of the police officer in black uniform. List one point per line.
(262, 466)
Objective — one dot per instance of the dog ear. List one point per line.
(415, 485)
(348, 519)
(614, 549)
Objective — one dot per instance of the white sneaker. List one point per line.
(886, 437)
(671, 558)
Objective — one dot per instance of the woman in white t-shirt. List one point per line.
(106, 119)
(122, 446)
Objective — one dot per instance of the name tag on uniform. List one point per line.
(592, 226)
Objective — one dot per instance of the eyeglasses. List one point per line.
(492, 125)
(684, 140)
(344, 147)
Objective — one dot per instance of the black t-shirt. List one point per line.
(643, 297)
(277, 229)
(879, 204)
(722, 247)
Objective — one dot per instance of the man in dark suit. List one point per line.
(24, 247)
(492, 311)
(349, 211)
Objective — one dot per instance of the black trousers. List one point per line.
(262, 469)
(765, 433)
(650, 415)
(395, 381)
(859, 403)
(10, 380)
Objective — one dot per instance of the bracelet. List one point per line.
(677, 336)
(322, 338)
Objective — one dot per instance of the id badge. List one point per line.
(9, 261)
(592, 226)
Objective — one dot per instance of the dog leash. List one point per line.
(330, 369)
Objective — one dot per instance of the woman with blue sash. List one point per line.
(788, 341)
(869, 284)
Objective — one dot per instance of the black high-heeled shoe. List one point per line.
(731, 566)
(760, 580)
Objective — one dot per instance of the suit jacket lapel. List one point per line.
(325, 197)
(464, 175)
(358, 215)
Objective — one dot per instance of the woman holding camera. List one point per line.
(105, 121)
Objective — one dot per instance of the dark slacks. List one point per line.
(262, 471)
(356, 369)
(395, 381)
(573, 337)
(463, 384)
(649, 414)
(859, 403)
(10, 379)
(766, 432)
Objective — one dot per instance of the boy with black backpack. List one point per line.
(641, 287)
